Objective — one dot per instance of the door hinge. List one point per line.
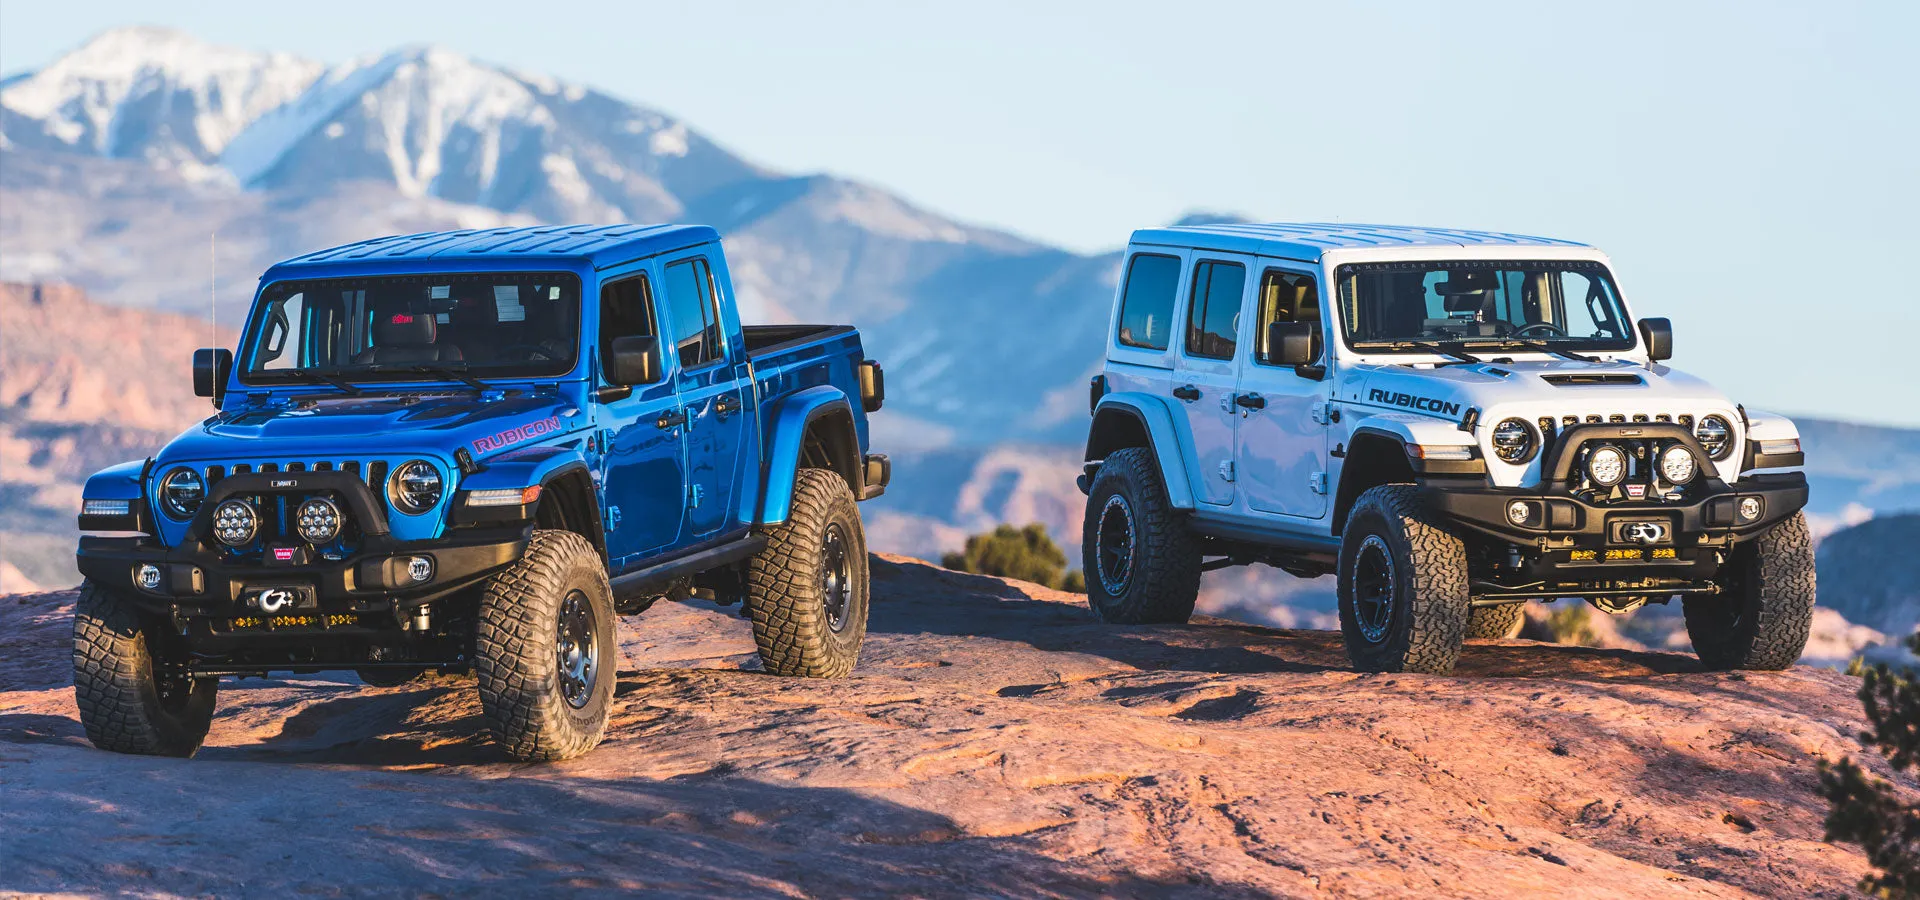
(613, 518)
(1318, 482)
(695, 493)
(1226, 470)
(1323, 412)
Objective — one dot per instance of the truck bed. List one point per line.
(771, 340)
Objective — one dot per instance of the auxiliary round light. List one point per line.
(1513, 440)
(1677, 464)
(181, 492)
(318, 520)
(147, 576)
(1749, 508)
(235, 523)
(1518, 512)
(415, 487)
(1715, 436)
(1607, 465)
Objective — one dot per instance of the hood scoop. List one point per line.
(1580, 379)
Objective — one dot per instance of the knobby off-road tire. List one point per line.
(1403, 586)
(545, 652)
(1761, 617)
(1496, 623)
(1141, 562)
(131, 695)
(807, 589)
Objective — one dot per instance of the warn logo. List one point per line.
(513, 436)
(1423, 404)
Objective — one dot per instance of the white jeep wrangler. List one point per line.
(1468, 421)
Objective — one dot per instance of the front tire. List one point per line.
(1404, 605)
(1142, 565)
(807, 589)
(130, 683)
(545, 652)
(1761, 618)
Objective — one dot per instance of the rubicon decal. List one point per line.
(1411, 401)
(513, 436)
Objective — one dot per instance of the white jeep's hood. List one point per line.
(1533, 390)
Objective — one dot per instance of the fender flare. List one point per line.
(787, 425)
(1156, 420)
(123, 481)
(543, 465)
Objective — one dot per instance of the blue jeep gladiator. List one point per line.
(468, 452)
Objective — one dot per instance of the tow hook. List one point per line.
(273, 600)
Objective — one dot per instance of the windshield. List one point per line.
(1503, 304)
(508, 324)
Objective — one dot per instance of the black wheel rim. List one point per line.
(836, 574)
(577, 653)
(1113, 548)
(1372, 589)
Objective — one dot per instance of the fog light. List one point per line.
(318, 520)
(419, 568)
(235, 523)
(1749, 508)
(148, 576)
(1518, 512)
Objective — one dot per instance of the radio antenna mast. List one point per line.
(213, 303)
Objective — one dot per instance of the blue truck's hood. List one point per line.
(439, 423)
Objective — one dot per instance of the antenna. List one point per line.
(213, 304)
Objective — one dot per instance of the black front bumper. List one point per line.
(1559, 519)
(197, 581)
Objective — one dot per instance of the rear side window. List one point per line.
(1287, 297)
(1213, 317)
(1146, 305)
(696, 320)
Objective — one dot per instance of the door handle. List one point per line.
(1186, 392)
(1250, 401)
(673, 418)
(726, 405)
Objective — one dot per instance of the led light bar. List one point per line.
(105, 507)
(503, 496)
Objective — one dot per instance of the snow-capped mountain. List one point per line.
(144, 127)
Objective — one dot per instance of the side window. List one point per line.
(1213, 316)
(695, 314)
(1287, 297)
(626, 310)
(1146, 304)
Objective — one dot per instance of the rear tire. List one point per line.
(1761, 618)
(1496, 623)
(129, 680)
(807, 591)
(1404, 605)
(545, 650)
(1142, 565)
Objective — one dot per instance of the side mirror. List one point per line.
(210, 369)
(1291, 343)
(634, 360)
(1658, 333)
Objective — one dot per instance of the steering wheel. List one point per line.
(1548, 326)
(543, 352)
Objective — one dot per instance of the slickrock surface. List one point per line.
(996, 741)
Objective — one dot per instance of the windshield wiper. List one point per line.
(450, 373)
(345, 386)
(1443, 349)
(1545, 347)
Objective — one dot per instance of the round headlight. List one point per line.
(1513, 440)
(181, 492)
(235, 523)
(1715, 436)
(1607, 465)
(414, 487)
(1677, 465)
(318, 520)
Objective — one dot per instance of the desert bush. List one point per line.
(1868, 811)
(1028, 554)
(1567, 622)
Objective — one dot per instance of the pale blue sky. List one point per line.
(1754, 169)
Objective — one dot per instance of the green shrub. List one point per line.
(1571, 623)
(1024, 553)
(1868, 811)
